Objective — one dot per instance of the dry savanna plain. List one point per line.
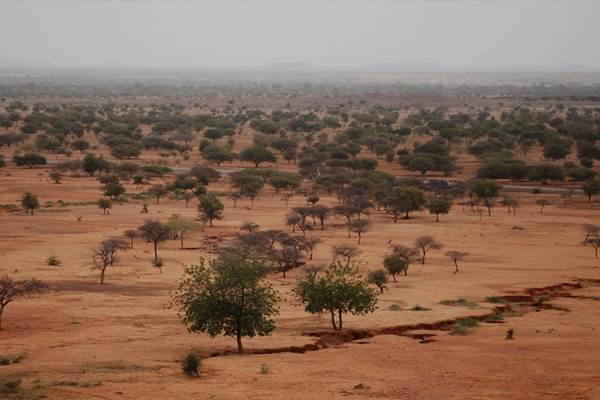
(519, 320)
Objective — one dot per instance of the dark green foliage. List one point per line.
(227, 297)
(337, 290)
(29, 159)
(210, 208)
(191, 365)
(30, 202)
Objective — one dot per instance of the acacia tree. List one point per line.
(439, 205)
(338, 290)
(456, 257)
(359, 227)
(407, 254)
(593, 241)
(486, 191)
(257, 155)
(227, 297)
(158, 191)
(30, 202)
(425, 244)
(542, 203)
(106, 254)
(378, 278)
(346, 252)
(590, 230)
(131, 234)
(105, 205)
(394, 265)
(181, 226)
(591, 188)
(210, 208)
(10, 290)
(155, 232)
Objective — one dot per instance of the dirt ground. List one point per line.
(122, 340)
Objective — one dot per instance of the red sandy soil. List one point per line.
(122, 340)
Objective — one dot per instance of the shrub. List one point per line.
(419, 308)
(459, 302)
(53, 261)
(191, 364)
(464, 326)
(10, 386)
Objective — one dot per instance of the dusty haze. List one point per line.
(328, 33)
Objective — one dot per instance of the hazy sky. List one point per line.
(327, 33)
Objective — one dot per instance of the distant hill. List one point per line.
(291, 66)
(408, 66)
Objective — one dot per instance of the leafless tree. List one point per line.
(590, 230)
(155, 232)
(456, 257)
(425, 244)
(131, 234)
(310, 244)
(359, 226)
(593, 241)
(106, 255)
(346, 252)
(11, 290)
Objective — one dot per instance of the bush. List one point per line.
(419, 308)
(10, 386)
(158, 263)
(191, 364)
(464, 326)
(8, 360)
(53, 261)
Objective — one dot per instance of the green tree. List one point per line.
(29, 159)
(113, 189)
(227, 297)
(90, 164)
(257, 155)
(105, 205)
(338, 290)
(439, 205)
(210, 208)
(394, 264)
(30, 202)
(158, 191)
(486, 191)
(182, 226)
(378, 278)
(403, 200)
(591, 188)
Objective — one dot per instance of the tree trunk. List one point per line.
(340, 319)
(155, 251)
(333, 320)
(181, 241)
(437, 217)
(423, 259)
(238, 337)
(456, 266)
(1, 312)
(102, 271)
